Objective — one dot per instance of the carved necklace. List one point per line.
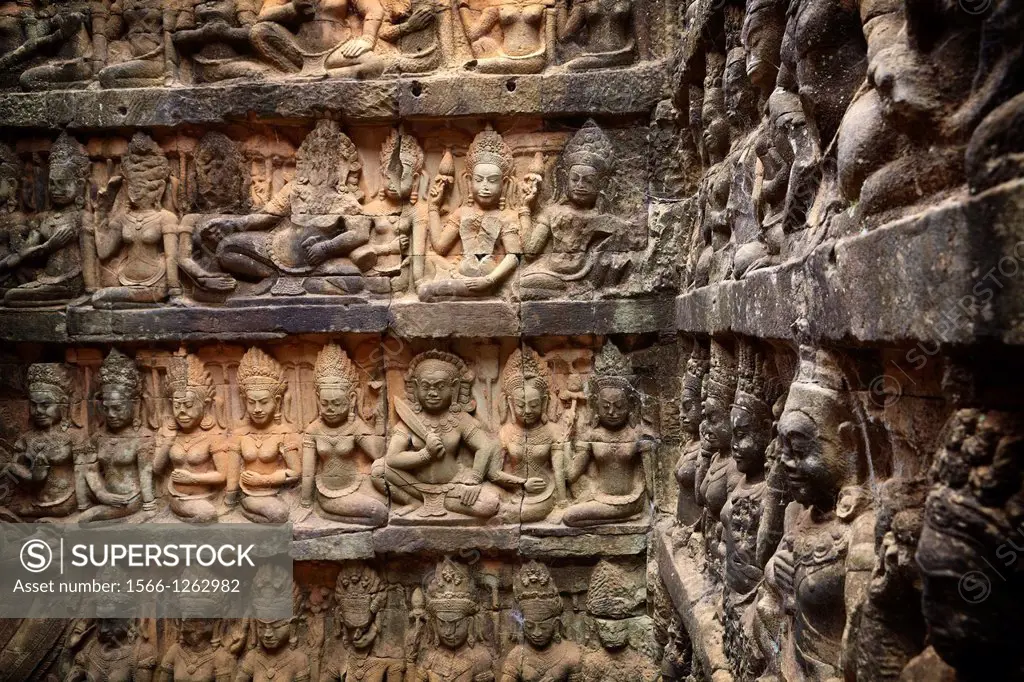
(103, 660)
(196, 659)
(359, 664)
(271, 670)
(441, 424)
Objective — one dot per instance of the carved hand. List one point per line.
(439, 190)
(420, 18)
(305, 8)
(435, 445)
(212, 231)
(470, 494)
(64, 235)
(356, 48)
(403, 243)
(254, 480)
(316, 250)
(479, 285)
(106, 195)
(530, 189)
(535, 485)
(184, 477)
(784, 571)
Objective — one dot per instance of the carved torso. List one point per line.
(50, 456)
(617, 454)
(192, 453)
(263, 451)
(559, 662)
(338, 453)
(463, 665)
(741, 517)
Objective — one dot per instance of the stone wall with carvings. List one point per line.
(577, 339)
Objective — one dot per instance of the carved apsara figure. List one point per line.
(545, 654)
(338, 37)
(269, 449)
(49, 258)
(113, 651)
(482, 239)
(567, 246)
(44, 456)
(454, 651)
(608, 33)
(616, 443)
(338, 447)
(613, 603)
(312, 226)
(509, 36)
(144, 26)
(136, 237)
(422, 467)
(822, 567)
(360, 650)
(215, 34)
(53, 42)
(118, 466)
(973, 519)
(199, 456)
(396, 211)
(688, 511)
(532, 446)
(764, 25)
(200, 653)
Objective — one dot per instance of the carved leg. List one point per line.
(66, 74)
(403, 485)
(276, 46)
(105, 512)
(596, 513)
(270, 509)
(485, 507)
(356, 508)
(368, 65)
(135, 74)
(241, 254)
(113, 296)
(194, 511)
(35, 511)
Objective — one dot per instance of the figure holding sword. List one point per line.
(422, 465)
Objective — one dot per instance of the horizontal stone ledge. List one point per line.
(953, 274)
(618, 92)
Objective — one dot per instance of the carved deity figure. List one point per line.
(114, 652)
(508, 36)
(612, 602)
(338, 447)
(608, 33)
(616, 444)
(474, 252)
(12, 219)
(44, 456)
(196, 656)
(748, 540)
(337, 37)
(455, 651)
(422, 468)
(312, 227)
(215, 34)
(396, 211)
(144, 26)
(269, 448)
(545, 654)
(360, 650)
(891, 629)
(199, 456)
(136, 237)
(531, 445)
(822, 567)
(276, 658)
(717, 471)
(973, 517)
(764, 25)
(118, 467)
(50, 46)
(49, 258)
(568, 244)
(219, 188)
(688, 511)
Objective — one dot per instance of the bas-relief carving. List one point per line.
(141, 43)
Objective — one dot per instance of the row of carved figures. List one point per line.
(152, 43)
(437, 461)
(348, 637)
(829, 563)
(814, 119)
(119, 242)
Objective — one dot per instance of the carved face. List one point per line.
(906, 86)
(738, 96)
(434, 388)
(144, 194)
(691, 409)
(452, 633)
(274, 634)
(584, 186)
(716, 127)
(399, 188)
(762, 38)
(895, 567)
(749, 440)
(261, 404)
(335, 404)
(716, 430)
(45, 408)
(813, 460)
(196, 631)
(486, 181)
(539, 633)
(528, 405)
(117, 408)
(64, 187)
(614, 634)
(112, 630)
(188, 408)
(612, 407)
